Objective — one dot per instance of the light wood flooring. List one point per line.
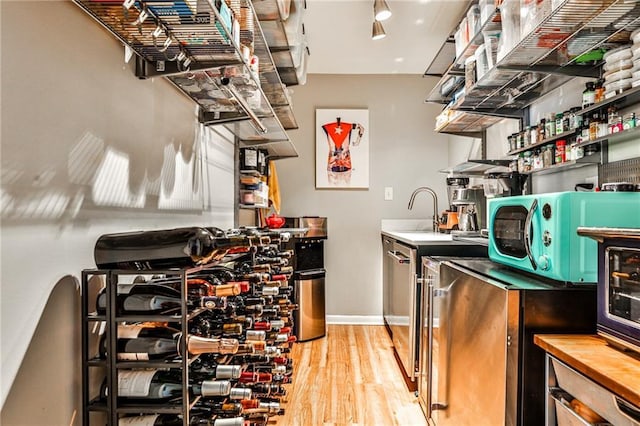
(349, 377)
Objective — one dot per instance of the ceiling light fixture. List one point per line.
(381, 10)
(378, 32)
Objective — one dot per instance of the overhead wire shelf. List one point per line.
(194, 48)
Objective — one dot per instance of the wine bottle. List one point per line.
(220, 371)
(162, 385)
(255, 377)
(210, 408)
(160, 249)
(125, 290)
(230, 421)
(271, 408)
(152, 420)
(140, 342)
(239, 394)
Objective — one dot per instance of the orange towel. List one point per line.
(274, 188)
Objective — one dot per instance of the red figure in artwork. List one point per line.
(340, 136)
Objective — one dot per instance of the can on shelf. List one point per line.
(561, 147)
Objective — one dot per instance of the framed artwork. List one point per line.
(342, 148)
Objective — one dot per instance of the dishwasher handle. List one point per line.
(401, 258)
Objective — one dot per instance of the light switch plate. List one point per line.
(388, 193)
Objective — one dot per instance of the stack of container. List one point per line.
(617, 70)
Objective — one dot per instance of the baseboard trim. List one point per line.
(355, 319)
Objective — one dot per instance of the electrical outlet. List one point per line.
(388, 193)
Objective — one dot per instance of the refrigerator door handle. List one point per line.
(412, 321)
(429, 348)
(443, 358)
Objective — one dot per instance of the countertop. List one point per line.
(614, 369)
(418, 238)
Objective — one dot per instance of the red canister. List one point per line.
(561, 151)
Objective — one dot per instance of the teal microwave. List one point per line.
(538, 233)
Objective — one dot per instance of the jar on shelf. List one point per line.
(526, 136)
(594, 122)
(537, 160)
(547, 156)
(599, 91)
(568, 152)
(576, 119)
(542, 129)
(550, 126)
(558, 121)
(629, 121)
(513, 142)
(589, 94)
(566, 121)
(583, 136)
(521, 162)
(533, 138)
(520, 140)
(560, 156)
(577, 152)
(513, 165)
(528, 161)
(614, 121)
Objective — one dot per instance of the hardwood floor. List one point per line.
(349, 377)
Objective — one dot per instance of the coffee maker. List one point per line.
(471, 204)
(449, 218)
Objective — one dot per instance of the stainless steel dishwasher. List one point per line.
(403, 292)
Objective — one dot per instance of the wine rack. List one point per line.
(246, 287)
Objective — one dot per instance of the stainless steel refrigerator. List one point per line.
(480, 365)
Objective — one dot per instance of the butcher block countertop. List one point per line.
(614, 369)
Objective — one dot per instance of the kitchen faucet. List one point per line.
(435, 204)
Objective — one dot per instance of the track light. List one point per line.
(381, 10)
(378, 32)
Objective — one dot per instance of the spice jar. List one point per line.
(550, 126)
(576, 119)
(526, 136)
(589, 94)
(520, 140)
(542, 129)
(527, 161)
(559, 118)
(599, 91)
(577, 152)
(533, 138)
(561, 146)
(593, 126)
(537, 160)
(566, 121)
(521, 162)
(629, 121)
(513, 141)
(547, 156)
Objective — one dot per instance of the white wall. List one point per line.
(87, 149)
(405, 153)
